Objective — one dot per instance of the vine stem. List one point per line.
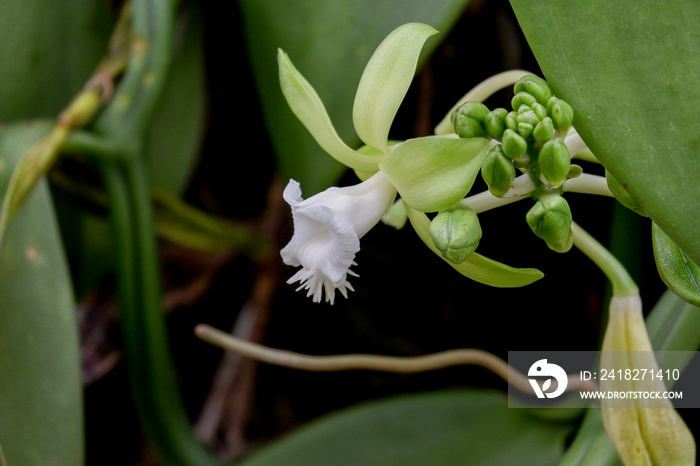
(622, 282)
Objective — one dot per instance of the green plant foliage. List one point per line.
(48, 51)
(40, 385)
(175, 134)
(330, 43)
(675, 268)
(441, 428)
(632, 75)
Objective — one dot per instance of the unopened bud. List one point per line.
(555, 161)
(498, 172)
(495, 123)
(526, 121)
(456, 232)
(561, 113)
(537, 87)
(550, 219)
(468, 119)
(522, 98)
(622, 195)
(544, 131)
(514, 145)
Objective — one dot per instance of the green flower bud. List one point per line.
(522, 98)
(497, 171)
(622, 195)
(550, 219)
(514, 145)
(537, 87)
(544, 131)
(540, 110)
(511, 121)
(456, 232)
(561, 113)
(495, 123)
(468, 119)
(555, 161)
(574, 171)
(526, 120)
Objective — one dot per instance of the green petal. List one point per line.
(385, 81)
(434, 173)
(477, 267)
(307, 106)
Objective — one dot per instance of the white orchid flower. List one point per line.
(327, 232)
(430, 173)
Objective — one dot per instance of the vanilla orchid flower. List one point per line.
(429, 173)
(327, 232)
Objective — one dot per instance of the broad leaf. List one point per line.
(49, 49)
(330, 43)
(40, 382)
(443, 428)
(632, 75)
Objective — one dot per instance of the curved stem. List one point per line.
(347, 362)
(622, 283)
(588, 184)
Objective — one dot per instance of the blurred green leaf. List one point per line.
(40, 382)
(49, 49)
(443, 428)
(330, 43)
(175, 134)
(632, 76)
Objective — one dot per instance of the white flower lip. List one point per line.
(327, 232)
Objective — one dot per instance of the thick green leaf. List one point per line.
(632, 75)
(443, 428)
(48, 51)
(676, 269)
(40, 383)
(330, 43)
(476, 267)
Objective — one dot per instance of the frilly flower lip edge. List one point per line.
(327, 232)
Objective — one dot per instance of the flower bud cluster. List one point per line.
(531, 141)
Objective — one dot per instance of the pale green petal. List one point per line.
(385, 81)
(434, 173)
(477, 267)
(307, 106)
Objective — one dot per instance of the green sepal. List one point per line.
(309, 109)
(477, 267)
(677, 270)
(433, 173)
(385, 81)
(495, 123)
